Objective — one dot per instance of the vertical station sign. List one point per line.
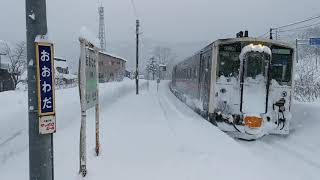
(91, 81)
(89, 95)
(45, 87)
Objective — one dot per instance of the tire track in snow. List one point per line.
(186, 153)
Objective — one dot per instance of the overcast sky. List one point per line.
(165, 20)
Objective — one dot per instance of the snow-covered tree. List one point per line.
(165, 56)
(307, 80)
(152, 67)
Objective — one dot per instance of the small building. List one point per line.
(62, 73)
(129, 74)
(111, 68)
(6, 81)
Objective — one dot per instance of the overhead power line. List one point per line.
(298, 28)
(278, 29)
(299, 22)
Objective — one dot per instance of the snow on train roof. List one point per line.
(253, 39)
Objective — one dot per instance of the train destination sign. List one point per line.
(45, 87)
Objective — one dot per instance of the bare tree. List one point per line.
(165, 56)
(17, 60)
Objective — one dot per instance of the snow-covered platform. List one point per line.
(155, 136)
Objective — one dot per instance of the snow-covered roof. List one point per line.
(65, 76)
(4, 66)
(59, 62)
(112, 55)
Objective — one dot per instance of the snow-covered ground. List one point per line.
(155, 136)
(297, 153)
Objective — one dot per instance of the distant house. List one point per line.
(62, 74)
(6, 81)
(111, 67)
(129, 74)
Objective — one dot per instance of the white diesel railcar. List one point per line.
(242, 85)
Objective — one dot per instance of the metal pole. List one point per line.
(137, 57)
(316, 63)
(297, 58)
(271, 33)
(97, 108)
(97, 130)
(40, 146)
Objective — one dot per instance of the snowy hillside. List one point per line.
(155, 136)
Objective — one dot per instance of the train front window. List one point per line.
(229, 63)
(281, 65)
(256, 64)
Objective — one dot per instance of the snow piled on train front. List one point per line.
(274, 121)
(254, 48)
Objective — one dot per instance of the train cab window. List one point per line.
(256, 65)
(281, 65)
(229, 62)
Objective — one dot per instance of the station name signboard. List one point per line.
(91, 78)
(45, 87)
(314, 41)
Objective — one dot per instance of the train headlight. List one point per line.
(253, 121)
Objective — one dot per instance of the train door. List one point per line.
(204, 80)
(254, 83)
(200, 86)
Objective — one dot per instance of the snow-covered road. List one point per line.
(155, 136)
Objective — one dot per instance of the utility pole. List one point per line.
(40, 146)
(137, 57)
